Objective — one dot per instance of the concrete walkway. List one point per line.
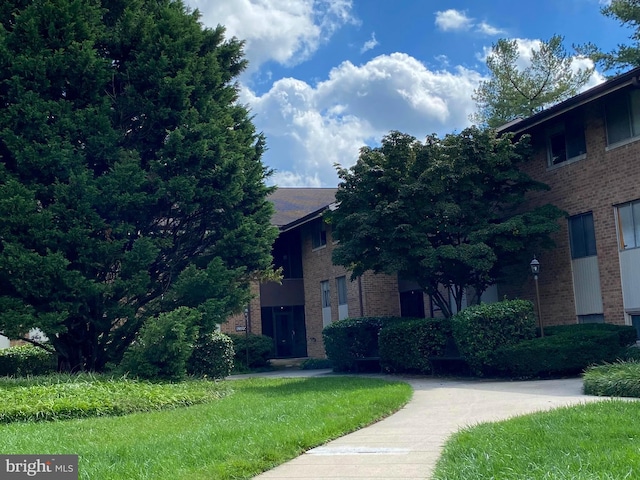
(407, 444)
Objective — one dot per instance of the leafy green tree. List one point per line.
(131, 180)
(513, 91)
(446, 213)
(627, 12)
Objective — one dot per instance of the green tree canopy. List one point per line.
(627, 12)
(514, 91)
(445, 213)
(131, 180)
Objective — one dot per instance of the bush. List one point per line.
(163, 346)
(627, 334)
(481, 329)
(212, 356)
(561, 354)
(260, 350)
(27, 360)
(405, 346)
(352, 338)
(620, 379)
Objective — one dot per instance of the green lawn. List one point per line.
(259, 424)
(586, 442)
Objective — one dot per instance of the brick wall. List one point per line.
(368, 296)
(596, 183)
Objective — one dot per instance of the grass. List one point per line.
(263, 423)
(595, 441)
(620, 379)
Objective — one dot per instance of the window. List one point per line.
(582, 237)
(592, 318)
(565, 141)
(341, 283)
(326, 296)
(629, 225)
(622, 112)
(318, 234)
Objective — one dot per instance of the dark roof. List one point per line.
(294, 206)
(629, 78)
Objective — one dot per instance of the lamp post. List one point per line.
(246, 333)
(535, 269)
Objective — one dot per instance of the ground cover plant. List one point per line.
(59, 397)
(585, 442)
(619, 379)
(262, 423)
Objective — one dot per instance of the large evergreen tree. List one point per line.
(447, 213)
(515, 91)
(131, 180)
(627, 12)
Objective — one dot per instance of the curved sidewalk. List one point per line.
(407, 444)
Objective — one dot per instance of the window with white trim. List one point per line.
(582, 236)
(326, 294)
(565, 141)
(622, 113)
(629, 225)
(341, 284)
(318, 234)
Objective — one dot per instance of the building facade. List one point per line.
(314, 292)
(587, 150)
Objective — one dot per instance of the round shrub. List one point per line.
(163, 346)
(352, 338)
(260, 350)
(212, 356)
(481, 329)
(555, 355)
(406, 346)
(26, 360)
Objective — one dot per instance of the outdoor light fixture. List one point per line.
(535, 266)
(535, 269)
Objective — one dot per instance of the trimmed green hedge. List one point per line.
(27, 360)
(406, 346)
(626, 333)
(260, 350)
(352, 338)
(479, 330)
(621, 379)
(566, 353)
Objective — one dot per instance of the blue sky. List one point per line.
(329, 76)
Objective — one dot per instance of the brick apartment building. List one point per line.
(587, 151)
(314, 292)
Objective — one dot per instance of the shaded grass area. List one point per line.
(59, 397)
(620, 379)
(586, 442)
(263, 423)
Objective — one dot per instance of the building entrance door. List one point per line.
(285, 334)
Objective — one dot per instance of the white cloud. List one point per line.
(456, 20)
(486, 29)
(451, 19)
(285, 31)
(310, 128)
(370, 44)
